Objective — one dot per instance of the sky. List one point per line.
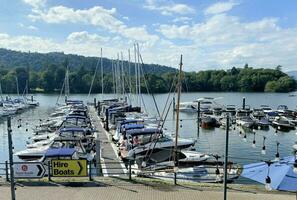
(210, 34)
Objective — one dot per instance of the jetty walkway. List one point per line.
(111, 164)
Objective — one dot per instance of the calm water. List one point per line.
(209, 141)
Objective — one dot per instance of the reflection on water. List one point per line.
(209, 141)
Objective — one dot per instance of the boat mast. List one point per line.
(113, 75)
(67, 90)
(1, 93)
(138, 74)
(122, 74)
(117, 76)
(17, 85)
(102, 86)
(129, 76)
(177, 111)
(135, 72)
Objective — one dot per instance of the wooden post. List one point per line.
(12, 183)
(130, 170)
(173, 105)
(106, 123)
(49, 171)
(98, 108)
(243, 103)
(6, 171)
(90, 171)
(98, 158)
(226, 159)
(198, 119)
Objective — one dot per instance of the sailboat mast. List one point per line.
(138, 74)
(123, 73)
(177, 110)
(113, 81)
(135, 72)
(117, 76)
(102, 83)
(129, 71)
(17, 85)
(1, 93)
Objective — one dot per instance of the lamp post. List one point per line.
(254, 140)
(263, 147)
(277, 151)
(268, 179)
(244, 137)
(295, 162)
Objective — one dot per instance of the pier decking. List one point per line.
(110, 162)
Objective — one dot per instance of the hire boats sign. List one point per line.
(69, 168)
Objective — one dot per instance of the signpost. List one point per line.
(28, 170)
(69, 168)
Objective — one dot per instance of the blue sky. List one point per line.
(211, 34)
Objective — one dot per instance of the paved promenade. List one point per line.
(118, 189)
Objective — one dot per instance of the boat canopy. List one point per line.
(60, 152)
(144, 131)
(131, 121)
(69, 102)
(75, 117)
(76, 129)
(132, 126)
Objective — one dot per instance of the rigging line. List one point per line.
(93, 79)
(146, 85)
(155, 143)
(159, 122)
(165, 107)
(61, 92)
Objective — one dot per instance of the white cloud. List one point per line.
(84, 36)
(30, 27)
(220, 7)
(96, 16)
(182, 19)
(35, 3)
(224, 41)
(168, 8)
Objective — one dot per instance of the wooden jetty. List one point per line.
(111, 164)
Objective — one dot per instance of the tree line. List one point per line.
(49, 79)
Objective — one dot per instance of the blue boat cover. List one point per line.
(75, 117)
(60, 152)
(132, 126)
(272, 113)
(130, 121)
(76, 129)
(281, 173)
(144, 131)
(74, 102)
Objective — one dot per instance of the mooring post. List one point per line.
(95, 103)
(98, 108)
(98, 158)
(226, 159)
(90, 171)
(198, 118)
(106, 118)
(6, 171)
(130, 170)
(243, 103)
(12, 183)
(49, 170)
(32, 99)
(173, 105)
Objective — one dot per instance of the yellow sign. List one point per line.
(69, 168)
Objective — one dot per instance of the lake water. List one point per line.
(209, 141)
